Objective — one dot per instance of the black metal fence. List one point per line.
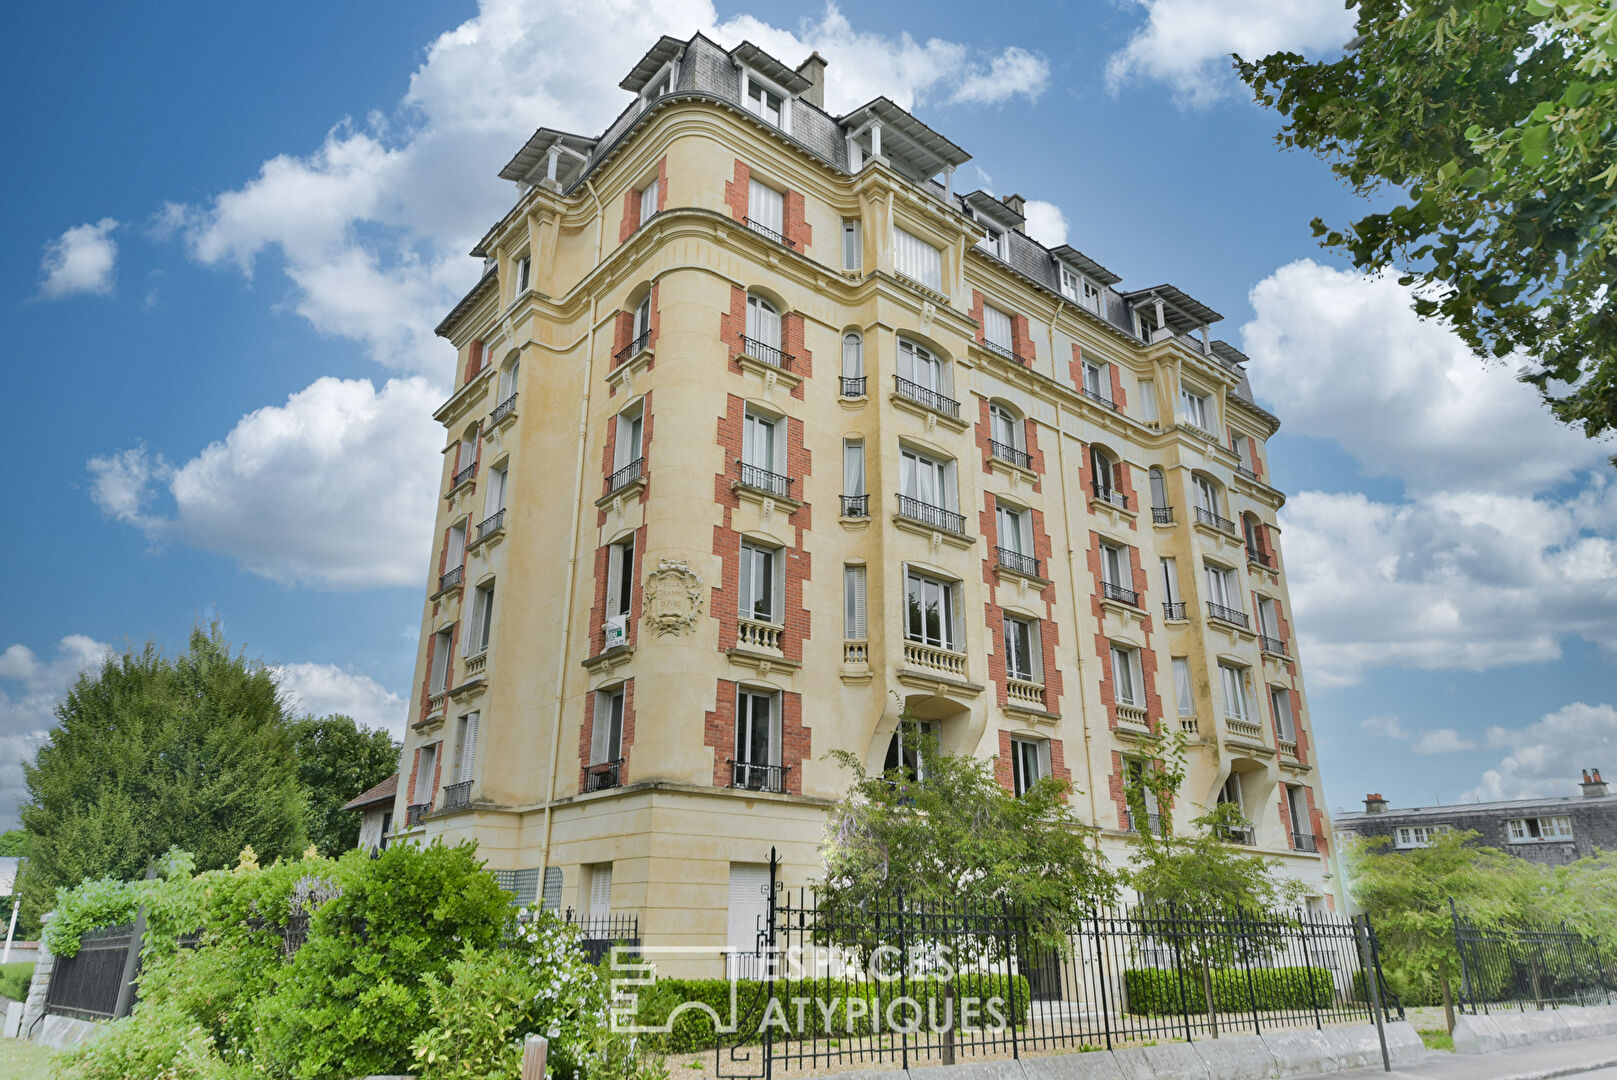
(915, 985)
(86, 984)
(598, 932)
(1518, 968)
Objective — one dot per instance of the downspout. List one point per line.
(572, 557)
(1072, 583)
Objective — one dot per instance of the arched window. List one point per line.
(763, 322)
(853, 364)
(1159, 489)
(1005, 427)
(918, 365)
(1108, 476)
(508, 378)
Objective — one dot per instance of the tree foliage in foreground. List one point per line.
(1492, 126)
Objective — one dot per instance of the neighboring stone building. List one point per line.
(1550, 831)
(761, 432)
(376, 807)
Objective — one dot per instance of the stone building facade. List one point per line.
(762, 433)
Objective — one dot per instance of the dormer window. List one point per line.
(993, 241)
(1074, 286)
(766, 100)
(660, 83)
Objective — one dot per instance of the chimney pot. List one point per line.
(1374, 803)
(813, 69)
(1593, 786)
(1017, 205)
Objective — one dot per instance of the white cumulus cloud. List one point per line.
(1444, 741)
(84, 259)
(1547, 757)
(1046, 223)
(323, 689)
(335, 488)
(1187, 43)
(30, 687)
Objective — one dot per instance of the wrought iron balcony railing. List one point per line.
(769, 234)
(452, 577)
(1259, 556)
(458, 795)
(1173, 610)
(626, 475)
(1003, 350)
(1162, 515)
(1237, 835)
(1303, 841)
(857, 506)
(414, 813)
(604, 775)
(1015, 560)
(1101, 398)
(853, 386)
(744, 774)
(502, 410)
(1272, 645)
(491, 524)
(755, 477)
(1107, 493)
(1229, 615)
(931, 399)
(935, 516)
(634, 347)
(767, 353)
(463, 475)
(1006, 452)
(1208, 517)
(1120, 593)
(1132, 822)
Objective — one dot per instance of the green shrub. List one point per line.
(1157, 991)
(172, 902)
(158, 1042)
(14, 979)
(826, 1012)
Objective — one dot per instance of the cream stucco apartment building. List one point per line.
(763, 432)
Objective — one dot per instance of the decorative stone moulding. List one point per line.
(673, 598)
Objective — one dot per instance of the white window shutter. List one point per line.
(468, 747)
(778, 605)
(1181, 686)
(648, 202)
(601, 891)
(614, 579)
(601, 726)
(775, 710)
(855, 621)
(766, 206)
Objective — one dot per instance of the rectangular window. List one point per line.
(1414, 836)
(466, 754)
(648, 201)
(1206, 494)
(853, 467)
(1012, 527)
(762, 586)
(1134, 772)
(482, 620)
(642, 319)
(494, 501)
(996, 328)
(931, 611)
(1302, 823)
(853, 603)
(1243, 449)
(1098, 380)
(763, 322)
(1194, 407)
(853, 247)
(1147, 400)
(766, 207)
(993, 241)
(1221, 586)
(426, 766)
(1181, 686)
(917, 259)
(620, 578)
(760, 435)
(1268, 623)
(920, 367)
(904, 750)
(630, 427)
(524, 271)
(853, 357)
(1280, 702)
(455, 549)
(757, 753)
(1126, 676)
(1235, 696)
(1115, 566)
(440, 662)
(508, 380)
(1028, 763)
(606, 731)
(1003, 427)
(927, 480)
(764, 102)
(1170, 580)
(1537, 830)
(601, 891)
(1071, 283)
(1022, 659)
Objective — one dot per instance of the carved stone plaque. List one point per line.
(673, 598)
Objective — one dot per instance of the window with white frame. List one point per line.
(466, 456)
(649, 196)
(642, 322)
(853, 356)
(494, 500)
(600, 876)
(1098, 380)
(1229, 793)
(917, 365)
(1183, 693)
(853, 603)
(482, 620)
(1195, 407)
(466, 748)
(932, 611)
(1206, 493)
(524, 273)
(1237, 705)
(455, 548)
(853, 469)
(763, 583)
(906, 749)
(927, 479)
(1302, 822)
(1108, 475)
(606, 729)
(757, 753)
(620, 579)
(1146, 400)
(630, 429)
(1005, 427)
(1159, 487)
(441, 645)
(993, 240)
(766, 209)
(1022, 652)
(1222, 588)
(1013, 529)
(1268, 618)
(763, 323)
(1145, 322)
(425, 778)
(508, 380)
(1416, 836)
(1074, 286)
(996, 328)
(1538, 829)
(1170, 582)
(1116, 568)
(916, 259)
(763, 444)
(766, 101)
(853, 244)
(1280, 702)
(1134, 778)
(1127, 686)
(1030, 763)
(661, 83)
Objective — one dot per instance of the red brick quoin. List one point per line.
(609, 453)
(994, 612)
(719, 732)
(623, 334)
(733, 327)
(983, 431)
(631, 203)
(1002, 763)
(1021, 338)
(586, 735)
(726, 600)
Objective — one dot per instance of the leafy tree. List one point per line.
(1203, 871)
(1488, 124)
(338, 759)
(14, 842)
(1407, 897)
(151, 752)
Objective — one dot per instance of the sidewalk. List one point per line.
(1523, 1063)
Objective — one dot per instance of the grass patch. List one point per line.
(22, 1060)
(14, 979)
(1437, 1040)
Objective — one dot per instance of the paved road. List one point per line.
(1587, 1059)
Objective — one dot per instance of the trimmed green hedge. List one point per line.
(825, 1012)
(14, 979)
(1156, 991)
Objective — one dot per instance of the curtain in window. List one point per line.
(996, 327)
(853, 467)
(1181, 686)
(763, 322)
(917, 259)
(766, 206)
(853, 356)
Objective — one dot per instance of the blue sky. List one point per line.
(229, 232)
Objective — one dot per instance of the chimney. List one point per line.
(813, 69)
(1375, 804)
(1593, 786)
(1017, 205)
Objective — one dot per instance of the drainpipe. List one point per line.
(572, 556)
